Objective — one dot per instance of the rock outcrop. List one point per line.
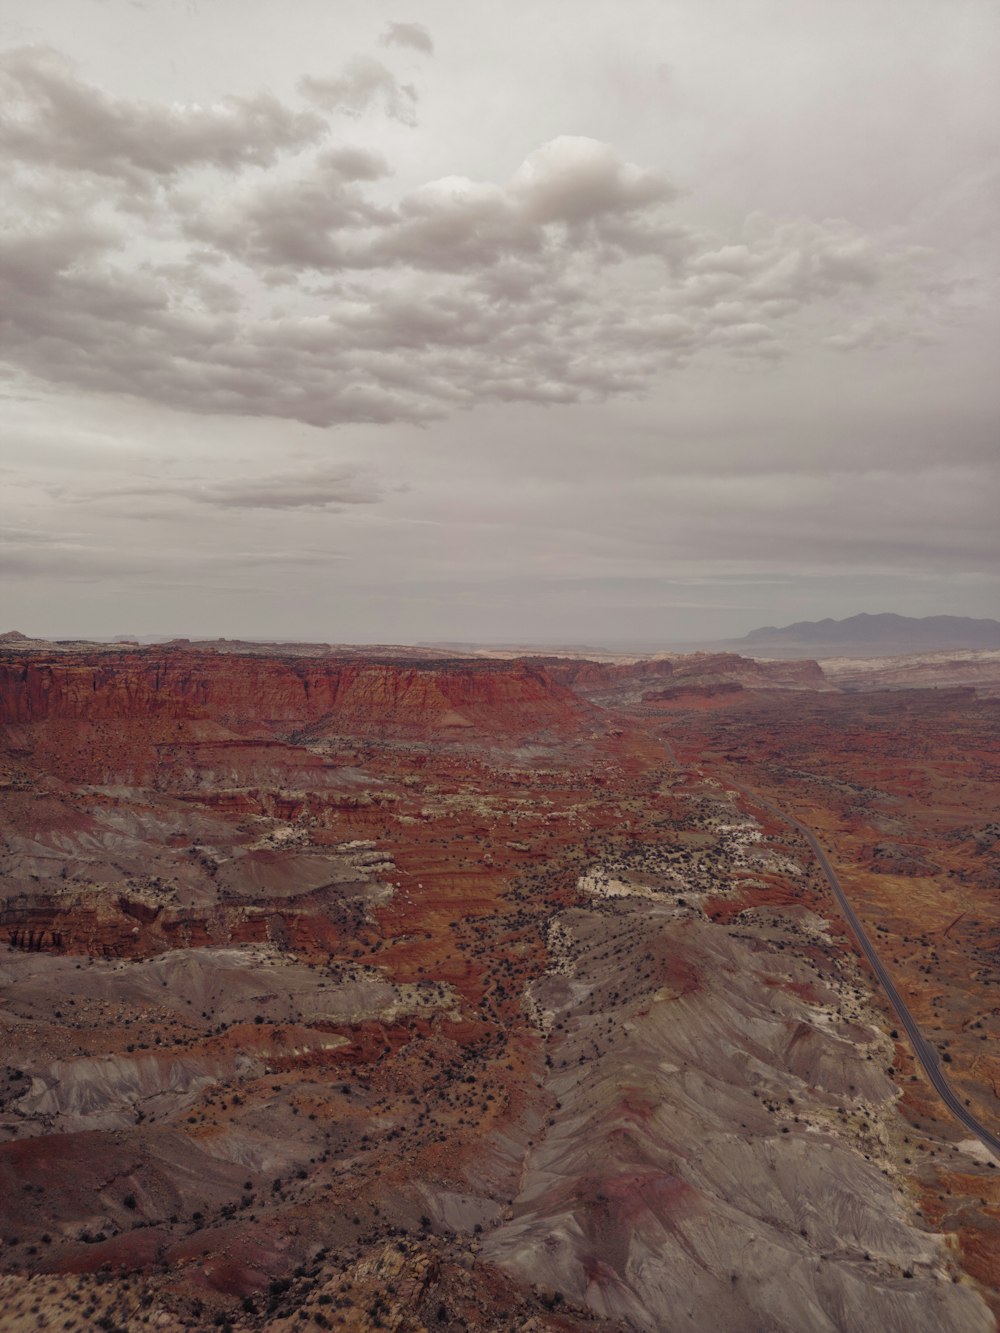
(346, 697)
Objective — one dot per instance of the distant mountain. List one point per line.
(872, 635)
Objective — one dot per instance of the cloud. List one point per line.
(294, 223)
(321, 489)
(875, 331)
(413, 35)
(361, 84)
(30, 537)
(729, 259)
(327, 488)
(573, 179)
(54, 120)
(808, 259)
(181, 286)
(87, 560)
(305, 290)
(352, 163)
(453, 223)
(26, 553)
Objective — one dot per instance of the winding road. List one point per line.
(922, 1048)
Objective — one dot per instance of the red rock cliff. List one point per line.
(279, 693)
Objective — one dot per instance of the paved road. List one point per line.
(922, 1048)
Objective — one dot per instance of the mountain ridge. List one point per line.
(884, 633)
(866, 625)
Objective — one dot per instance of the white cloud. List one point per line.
(573, 179)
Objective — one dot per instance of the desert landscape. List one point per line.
(347, 990)
(499, 667)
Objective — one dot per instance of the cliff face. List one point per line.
(276, 694)
(341, 695)
(585, 675)
(692, 674)
(717, 668)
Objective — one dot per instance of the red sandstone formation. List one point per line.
(717, 668)
(368, 993)
(380, 697)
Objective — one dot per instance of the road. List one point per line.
(922, 1048)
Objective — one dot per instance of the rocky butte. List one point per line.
(365, 989)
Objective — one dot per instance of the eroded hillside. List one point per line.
(412, 994)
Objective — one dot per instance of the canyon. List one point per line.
(394, 989)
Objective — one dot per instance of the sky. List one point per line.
(550, 321)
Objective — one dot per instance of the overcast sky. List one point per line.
(548, 321)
